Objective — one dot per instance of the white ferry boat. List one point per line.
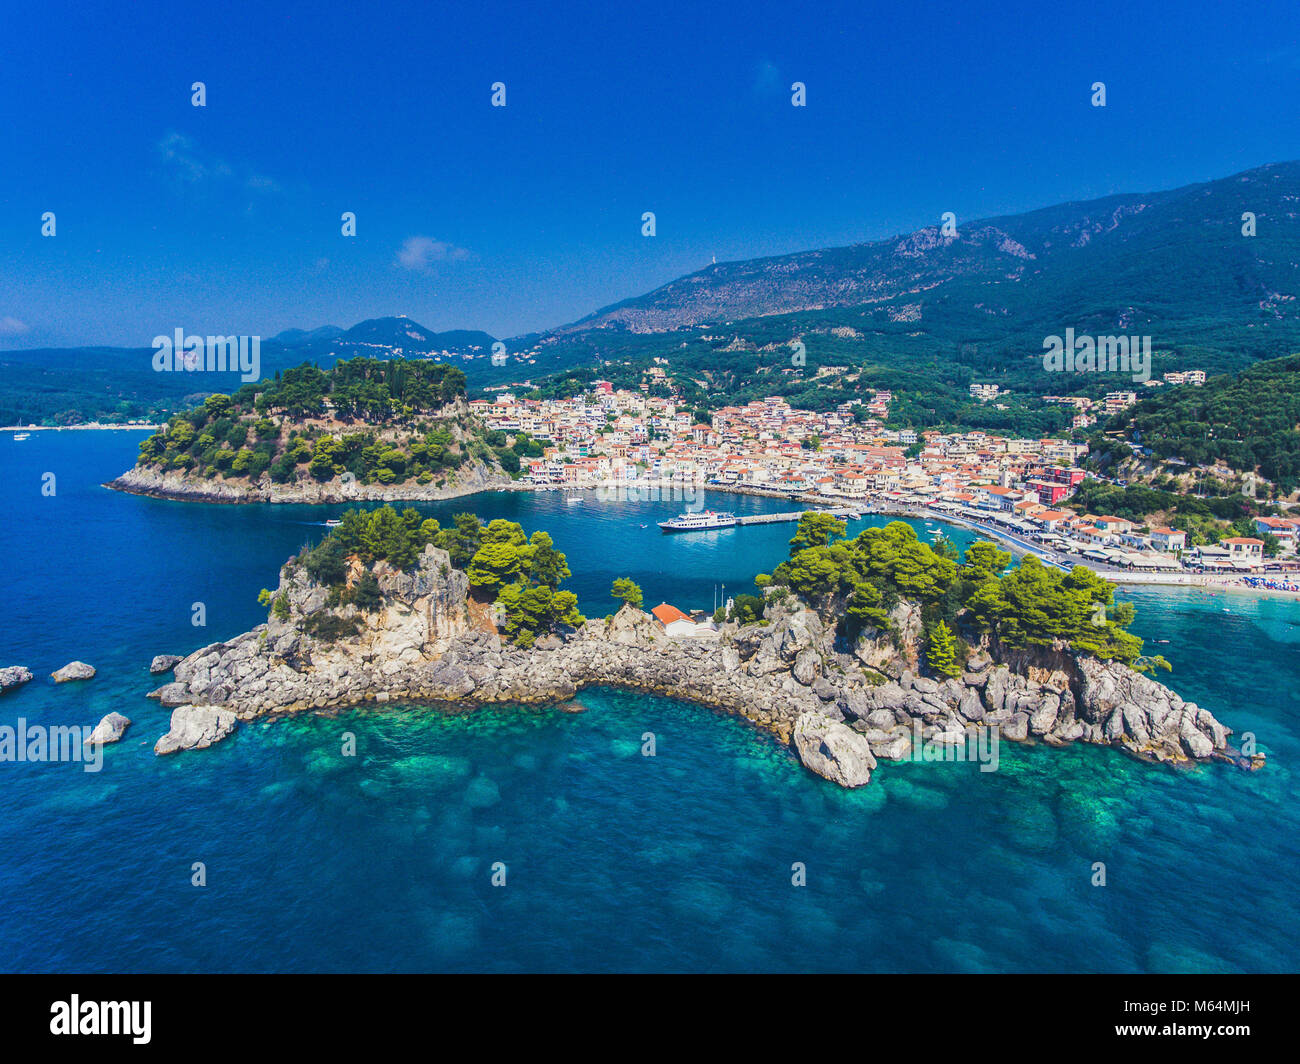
(22, 435)
(709, 519)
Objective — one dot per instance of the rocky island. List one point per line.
(863, 648)
(13, 676)
(365, 429)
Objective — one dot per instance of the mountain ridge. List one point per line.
(1014, 242)
(925, 310)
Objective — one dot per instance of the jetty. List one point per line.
(794, 515)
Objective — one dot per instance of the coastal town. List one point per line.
(1015, 489)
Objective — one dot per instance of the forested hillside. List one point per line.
(1249, 422)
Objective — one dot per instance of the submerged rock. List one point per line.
(74, 670)
(14, 676)
(108, 730)
(194, 728)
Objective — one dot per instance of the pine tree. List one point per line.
(941, 652)
(625, 589)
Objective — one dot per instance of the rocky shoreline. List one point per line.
(473, 478)
(839, 708)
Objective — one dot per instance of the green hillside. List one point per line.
(1249, 422)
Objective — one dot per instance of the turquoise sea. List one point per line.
(614, 861)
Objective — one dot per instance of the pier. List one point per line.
(793, 515)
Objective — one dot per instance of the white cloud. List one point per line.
(421, 252)
(181, 155)
(186, 161)
(10, 326)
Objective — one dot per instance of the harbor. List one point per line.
(711, 520)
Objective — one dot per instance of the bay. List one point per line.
(613, 861)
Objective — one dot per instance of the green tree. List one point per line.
(217, 406)
(817, 530)
(531, 612)
(365, 595)
(462, 540)
(493, 566)
(627, 591)
(941, 651)
(546, 565)
(747, 609)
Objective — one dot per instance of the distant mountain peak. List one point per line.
(293, 337)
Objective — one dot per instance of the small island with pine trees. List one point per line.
(364, 429)
(856, 651)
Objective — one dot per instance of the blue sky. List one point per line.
(226, 218)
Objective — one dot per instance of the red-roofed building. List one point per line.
(1244, 548)
(1168, 539)
(1284, 529)
(675, 622)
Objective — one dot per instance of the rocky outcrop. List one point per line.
(839, 711)
(14, 676)
(164, 663)
(74, 670)
(195, 727)
(832, 750)
(108, 730)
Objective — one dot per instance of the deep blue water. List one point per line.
(615, 861)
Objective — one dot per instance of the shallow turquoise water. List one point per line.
(614, 861)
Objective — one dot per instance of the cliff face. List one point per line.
(839, 711)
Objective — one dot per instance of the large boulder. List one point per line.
(195, 728)
(832, 750)
(14, 676)
(164, 663)
(74, 670)
(633, 627)
(171, 694)
(108, 730)
(806, 666)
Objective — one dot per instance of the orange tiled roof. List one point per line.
(666, 614)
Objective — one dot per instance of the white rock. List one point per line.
(108, 730)
(74, 670)
(194, 728)
(833, 750)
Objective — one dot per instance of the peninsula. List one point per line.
(857, 648)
